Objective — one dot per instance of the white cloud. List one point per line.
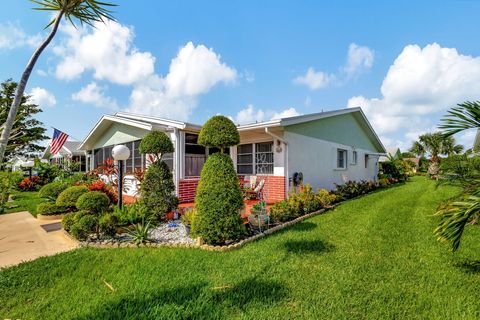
(314, 79)
(13, 36)
(42, 97)
(42, 73)
(94, 94)
(359, 58)
(251, 115)
(107, 50)
(193, 72)
(419, 87)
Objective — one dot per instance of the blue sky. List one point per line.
(404, 62)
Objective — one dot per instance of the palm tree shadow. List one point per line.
(469, 266)
(199, 301)
(308, 246)
(304, 226)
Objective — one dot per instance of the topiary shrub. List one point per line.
(87, 225)
(68, 198)
(219, 132)
(218, 202)
(68, 221)
(50, 208)
(156, 143)
(158, 190)
(52, 190)
(107, 225)
(94, 202)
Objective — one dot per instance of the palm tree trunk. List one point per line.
(12, 114)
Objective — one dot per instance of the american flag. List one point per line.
(58, 141)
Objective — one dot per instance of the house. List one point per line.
(324, 148)
(68, 153)
(394, 153)
(16, 163)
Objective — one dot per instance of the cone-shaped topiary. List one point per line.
(219, 132)
(158, 190)
(218, 202)
(156, 143)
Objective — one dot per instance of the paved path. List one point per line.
(22, 238)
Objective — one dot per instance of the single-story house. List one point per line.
(69, 152)
(395, 153)
(324, 148)
(16, 163)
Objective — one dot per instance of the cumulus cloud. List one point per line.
(42, 97)
(107, 50)
(359, 59)
(419, 87)
(251, 115)
(13, 36)
(94, 94)
(193, 72)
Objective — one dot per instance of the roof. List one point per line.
(151, 122)
(69, 147)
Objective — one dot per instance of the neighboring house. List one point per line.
(16, 163)
(391, 152)
(328, 148)
(69, 152)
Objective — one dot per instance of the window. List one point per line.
(195, 155)
(341, 159)
(354, 157)
(366, 161)
(255, 158)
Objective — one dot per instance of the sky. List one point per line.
(404, 62)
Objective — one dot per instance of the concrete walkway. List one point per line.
(22, 239)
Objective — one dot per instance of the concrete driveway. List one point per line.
(22, 239)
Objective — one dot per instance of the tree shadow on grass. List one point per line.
(308, 246)
(469, 266)
(200, 301)
(303, 226)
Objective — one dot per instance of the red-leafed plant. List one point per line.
(99, 185)
(30, 184)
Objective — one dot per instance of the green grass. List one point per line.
(372, 258)
(25, 201)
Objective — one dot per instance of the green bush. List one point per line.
(93, 201)
(219, 132)
(68, 197)
(157, 143)
(188, 217)
(52, 190)
(218, 201)
(325, 197)
(107, 225)
(280, 212)
(87, 225)
(158, 190)
(50, 208)
(130, 214)
(68, 221)
(309, 199)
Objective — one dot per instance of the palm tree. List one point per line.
(85, 11)
(456, 216)
(418, 149)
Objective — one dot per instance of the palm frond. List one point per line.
(462, 117)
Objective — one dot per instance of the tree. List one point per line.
(85, 11)
(219, 198)
(26, 130)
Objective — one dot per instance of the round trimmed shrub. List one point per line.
(68, 220)
(158, 190)
(50, 208)
(52, 190)
(219, 132)
(68, 197)
(108, 225)
(87, 225)
(94, 202)
(156, 142)
(218, 202)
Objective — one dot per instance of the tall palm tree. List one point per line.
(418, 149)
(85, 11)
(455, 217)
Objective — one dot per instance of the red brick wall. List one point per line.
(273, 191)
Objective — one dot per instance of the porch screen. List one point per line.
(195, 155)
(255, 158)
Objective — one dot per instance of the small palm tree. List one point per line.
(86, 12)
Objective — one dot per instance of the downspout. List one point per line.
(287, 185)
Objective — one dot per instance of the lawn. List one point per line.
(25, 201)
(372, 258)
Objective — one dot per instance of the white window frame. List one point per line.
(354, 157)
(254, 162)
(344, 152)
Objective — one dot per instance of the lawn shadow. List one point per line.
(304, 226)
(201, 301)
(469, 266)
(308, 246)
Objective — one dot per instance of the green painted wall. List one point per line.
(344, 129)
(119, 133)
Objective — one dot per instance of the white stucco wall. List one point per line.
(317, 159)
